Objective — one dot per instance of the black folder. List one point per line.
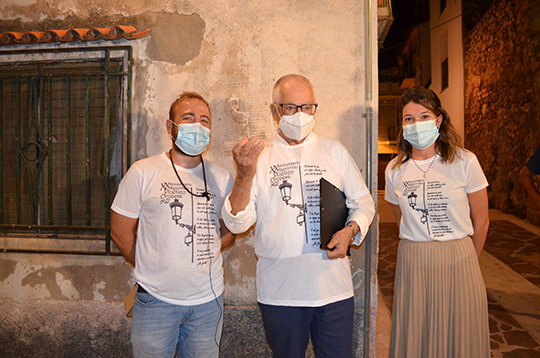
(333, 211)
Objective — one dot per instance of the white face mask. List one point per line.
(421, 134)
(296, 126)
(192, 138)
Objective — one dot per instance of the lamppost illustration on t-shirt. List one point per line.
(176, 214)
(281, 174)
(411, 198)
(285, 188)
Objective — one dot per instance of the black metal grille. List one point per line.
(64, 139)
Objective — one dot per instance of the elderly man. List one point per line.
(165, 221)
(301, 289)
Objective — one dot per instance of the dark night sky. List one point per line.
(407, 13)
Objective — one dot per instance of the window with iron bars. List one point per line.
(64, 145)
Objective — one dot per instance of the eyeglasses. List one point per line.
(291, 108)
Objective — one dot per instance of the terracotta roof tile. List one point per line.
(71, 35)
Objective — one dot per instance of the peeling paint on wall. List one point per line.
(58, 280)
(176, 38)
(7, 268)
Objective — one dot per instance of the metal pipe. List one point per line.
(129, 79)
(368, 115)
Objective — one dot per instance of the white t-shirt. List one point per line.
(178, 236)
(435, 208)
(291, 269)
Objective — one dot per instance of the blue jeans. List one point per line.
(288, 328)
(159, 328)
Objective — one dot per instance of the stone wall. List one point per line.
(502, 90)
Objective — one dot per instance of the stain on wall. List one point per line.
(6, 269)
(81, 282)
(176, 38)
(64, 277)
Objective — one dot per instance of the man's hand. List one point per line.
(338, 245)
(245, 155)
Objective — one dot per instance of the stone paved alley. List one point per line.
(510, 265)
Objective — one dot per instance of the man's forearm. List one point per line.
(123, 233)
(240, 194)
(126, 247)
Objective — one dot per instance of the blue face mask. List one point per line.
(421, 134)
(192, 138)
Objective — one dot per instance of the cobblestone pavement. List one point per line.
(513, 245)
(516, 247)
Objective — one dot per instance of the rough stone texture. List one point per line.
(49, 328)
(89, 329)
(502, 91)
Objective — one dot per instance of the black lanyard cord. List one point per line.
(206, 194)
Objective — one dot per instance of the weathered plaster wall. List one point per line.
(502, 92)
(224, 50)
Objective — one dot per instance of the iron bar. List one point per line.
(1, 150)
(79, 73)
(87, 144)
(43, 148)
(50, 145)
(17, 146)
(69, 188)
(26, 147)
(106, 147)
(68, 50)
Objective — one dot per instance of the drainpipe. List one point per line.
(368, 115)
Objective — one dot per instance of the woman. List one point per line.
(438, 194)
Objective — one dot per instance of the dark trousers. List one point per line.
(287, 329)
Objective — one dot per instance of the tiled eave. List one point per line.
(71, 35)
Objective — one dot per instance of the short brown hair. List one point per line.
(184, 96)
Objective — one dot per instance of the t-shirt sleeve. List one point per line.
(127, 201)
(475, 177)
(228, 188)
(389, 194)
(534, 163)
